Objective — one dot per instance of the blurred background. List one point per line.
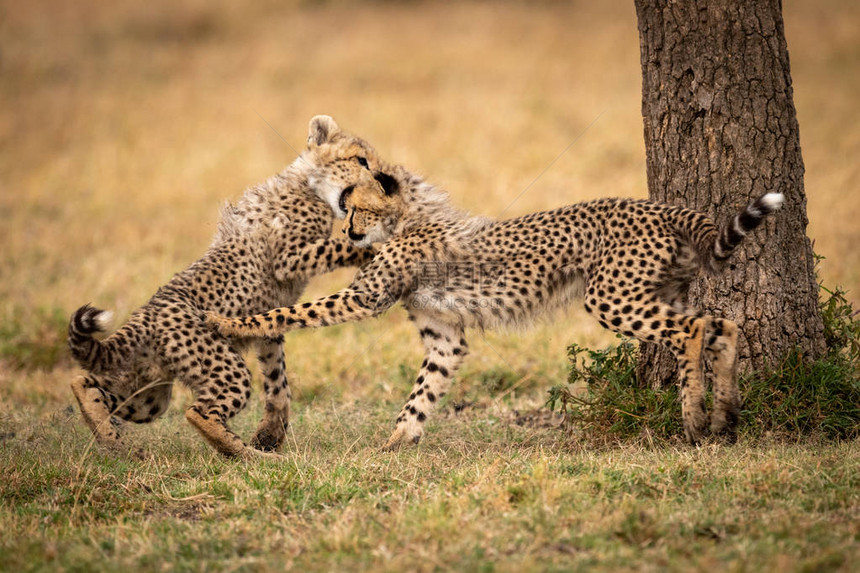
(125, 125)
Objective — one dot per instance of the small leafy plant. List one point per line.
(603, 401)
(801, 397)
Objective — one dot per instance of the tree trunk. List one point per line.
(720, 130)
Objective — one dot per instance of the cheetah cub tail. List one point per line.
(88, 320)
(90, 353)
(744, 222)
(85, 322)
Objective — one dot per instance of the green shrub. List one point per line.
(603, 401)
(801, 398)
(841, 328)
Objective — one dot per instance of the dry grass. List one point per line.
(123, 126)
(480, 495)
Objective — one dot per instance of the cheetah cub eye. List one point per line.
(363, 162)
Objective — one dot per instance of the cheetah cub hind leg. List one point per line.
(105, 400)
(272, 429)
(94, 409)
(721, 351)
(222, 438)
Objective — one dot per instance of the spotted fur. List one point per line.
(266, 248)
(630, 260)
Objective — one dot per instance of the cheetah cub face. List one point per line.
(373, 211)
(340, 163)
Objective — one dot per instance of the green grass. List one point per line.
(480, 494)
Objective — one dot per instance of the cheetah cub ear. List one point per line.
(321, 129)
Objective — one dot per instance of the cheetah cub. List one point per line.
(265, 249)
(630, 259)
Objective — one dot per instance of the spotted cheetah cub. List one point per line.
(630, 259)
(265, 249)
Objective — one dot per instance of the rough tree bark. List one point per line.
(721, 129)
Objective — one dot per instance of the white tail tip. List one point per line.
(773, 200)
(104, 319)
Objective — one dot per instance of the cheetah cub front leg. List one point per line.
(444, 350)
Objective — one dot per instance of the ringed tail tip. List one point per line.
(103, 320)
(772, 201)
(88, 320)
